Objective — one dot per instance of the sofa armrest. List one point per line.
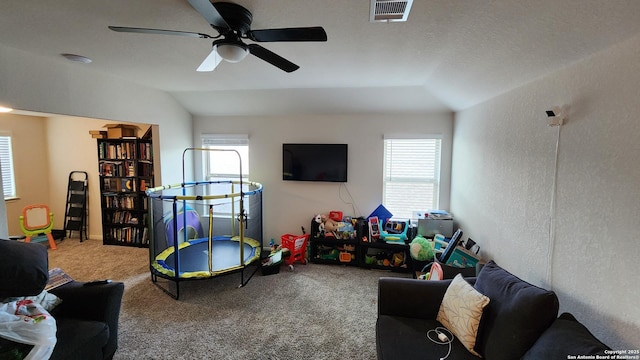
(98, 303)
(410, 297)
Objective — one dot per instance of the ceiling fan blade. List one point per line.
(272, 58)
(211, 61)
(210, 13)
(315, 33)
(158, 31)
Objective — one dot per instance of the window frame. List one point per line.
(432, 149)
(6, 155)
(225, 141)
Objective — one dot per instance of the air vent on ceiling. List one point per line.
(390, 10)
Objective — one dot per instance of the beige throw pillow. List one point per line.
(461, 310)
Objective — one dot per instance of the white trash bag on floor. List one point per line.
(27, 322)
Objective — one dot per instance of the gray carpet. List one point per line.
(314, 312)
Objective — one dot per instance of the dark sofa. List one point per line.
(87, 318)
(520, 321)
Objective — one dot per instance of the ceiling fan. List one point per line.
(233, 24)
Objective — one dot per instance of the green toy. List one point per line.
(421, 249)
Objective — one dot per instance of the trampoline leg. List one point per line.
(175, 296)
(242, 282)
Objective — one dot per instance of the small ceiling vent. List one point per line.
(390, 10)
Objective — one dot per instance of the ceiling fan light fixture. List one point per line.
(232, 52)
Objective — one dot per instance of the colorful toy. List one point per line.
(327, 253)
(398, 259)
(369, 260)
(330, 225)
(345, 256)
(420, 249)
(36, 220)
(374, 227)
(395, 231)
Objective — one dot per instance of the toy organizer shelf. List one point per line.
(126, 171)
(352, 250)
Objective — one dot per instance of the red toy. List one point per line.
(297, 245)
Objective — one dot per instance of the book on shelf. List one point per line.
(128, 185)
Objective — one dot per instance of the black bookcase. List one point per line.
(126, 171)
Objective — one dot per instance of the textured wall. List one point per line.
(502, 180)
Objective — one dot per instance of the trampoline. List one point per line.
(195, 262)
(203, 229)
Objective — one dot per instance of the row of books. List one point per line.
(124, 150)
(121, 202)
(125, 185)
(129, 235)
(111, 168)
(145, 168)
(125, 217)
(145, 151)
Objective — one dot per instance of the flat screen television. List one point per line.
(314, 162)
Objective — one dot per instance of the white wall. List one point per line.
(287, 205)
(32, 83)
(37, 84)
(502, 179)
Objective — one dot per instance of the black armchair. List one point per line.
(87, 318)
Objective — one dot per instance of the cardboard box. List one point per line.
(118, 131)
(98, 134)
(462, 258)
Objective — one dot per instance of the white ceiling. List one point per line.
(449, 55)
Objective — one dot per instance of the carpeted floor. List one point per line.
(313, 312)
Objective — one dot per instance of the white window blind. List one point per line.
(411, 175)
(6, 161)
(224, 165)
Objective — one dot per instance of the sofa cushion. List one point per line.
(516, 316)
(24, 268)
(566, 336)
(405, 338)
(80, 339)
(461, 310)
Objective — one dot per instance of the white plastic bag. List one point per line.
(27, 322)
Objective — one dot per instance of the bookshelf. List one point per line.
(126, 171)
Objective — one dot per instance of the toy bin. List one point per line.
(297, 245)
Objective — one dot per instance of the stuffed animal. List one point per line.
(421, 249)
(330, 225)
(320, 222)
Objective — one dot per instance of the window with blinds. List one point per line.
(224, 165)
(6, 162)
(411, 175)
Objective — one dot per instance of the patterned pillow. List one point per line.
(461, 310)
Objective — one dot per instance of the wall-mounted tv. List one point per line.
(314, 162)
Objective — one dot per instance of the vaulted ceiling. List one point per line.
(448, 56)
